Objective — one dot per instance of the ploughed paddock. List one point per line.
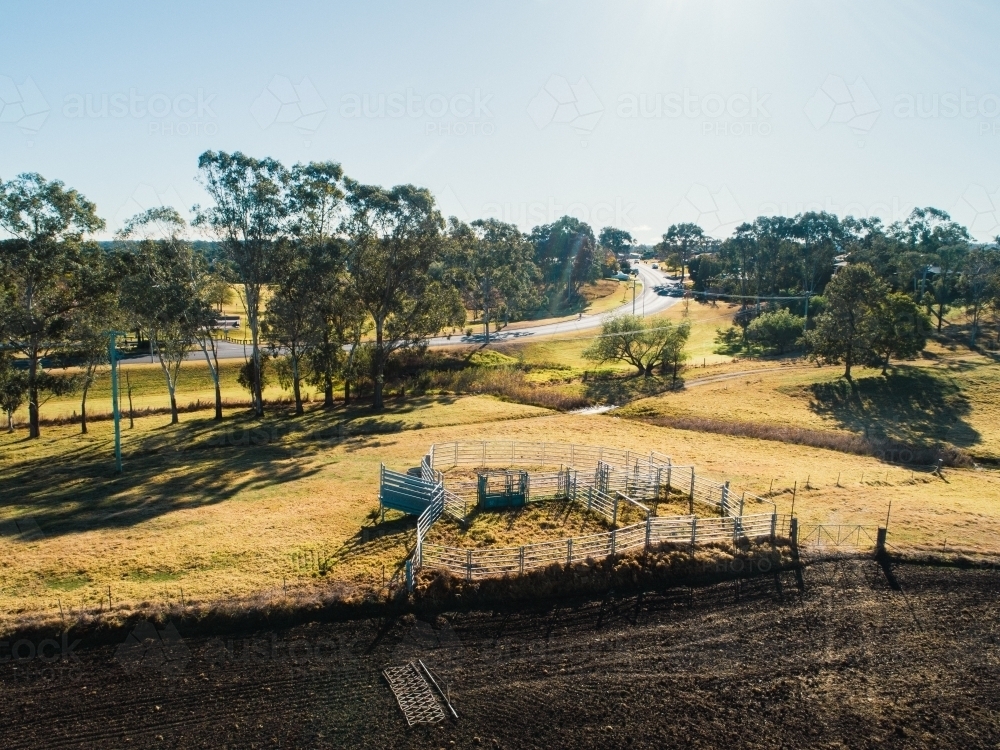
(622, 487)
(844, 662)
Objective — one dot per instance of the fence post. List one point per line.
(724, 505)
(694, 532)
(649, 530)
(669, 471)
(613, 541)
(774, 527)
(691, 494)
(409, 576)
(569, 551)
(432, 456)
(614, 516)
(742, 498)
(880, 542)
(793, 533)
(521, 559)
(468, 565)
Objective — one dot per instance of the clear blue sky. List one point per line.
(627, 113)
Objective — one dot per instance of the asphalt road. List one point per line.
(646, 303)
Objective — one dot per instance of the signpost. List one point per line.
(113, 359)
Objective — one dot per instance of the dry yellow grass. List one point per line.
(232, 513)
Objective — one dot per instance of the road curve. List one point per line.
(647, 303)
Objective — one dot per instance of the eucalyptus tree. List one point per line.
(394, 241)
(900, 329)
(249, 220)
(40, 284)
(491, 262)
(847, 328)
(681, 240)
(980, 274)
(642, 344)
(92, 323)
(160, 288)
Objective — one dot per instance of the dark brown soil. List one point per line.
(849, 662)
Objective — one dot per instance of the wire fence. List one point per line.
(680, 530)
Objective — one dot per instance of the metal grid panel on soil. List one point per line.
(413, 695)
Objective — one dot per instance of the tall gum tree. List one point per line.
(40, 287)
(394, 240)
(249, 220)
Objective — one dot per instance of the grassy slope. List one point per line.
(946, 397)
(230, 514)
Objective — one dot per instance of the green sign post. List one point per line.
(112, 357)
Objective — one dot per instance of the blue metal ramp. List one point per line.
(405, 492)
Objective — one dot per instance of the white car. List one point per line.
(655, 266)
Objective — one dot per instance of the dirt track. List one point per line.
(848, 663)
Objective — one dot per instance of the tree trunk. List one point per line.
(174, 419)
(128, 388)
(10, 421)
(218, 402)
(83, 410)
(33, 431)
(296, 386)
(258, 395)
(327, 378)
(379, 367)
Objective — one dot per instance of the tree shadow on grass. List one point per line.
(621, 389)
(911, 406)
(196, 463)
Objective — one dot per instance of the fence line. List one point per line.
(835, 538)
(680, 530)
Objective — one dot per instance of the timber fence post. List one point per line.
(569, 551)
(694, 532)
(521, 560)
(691, 494)
(649, 531)
(880, 542)
(468, 565)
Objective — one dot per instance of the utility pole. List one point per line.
(634, 278)
(112, 357)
